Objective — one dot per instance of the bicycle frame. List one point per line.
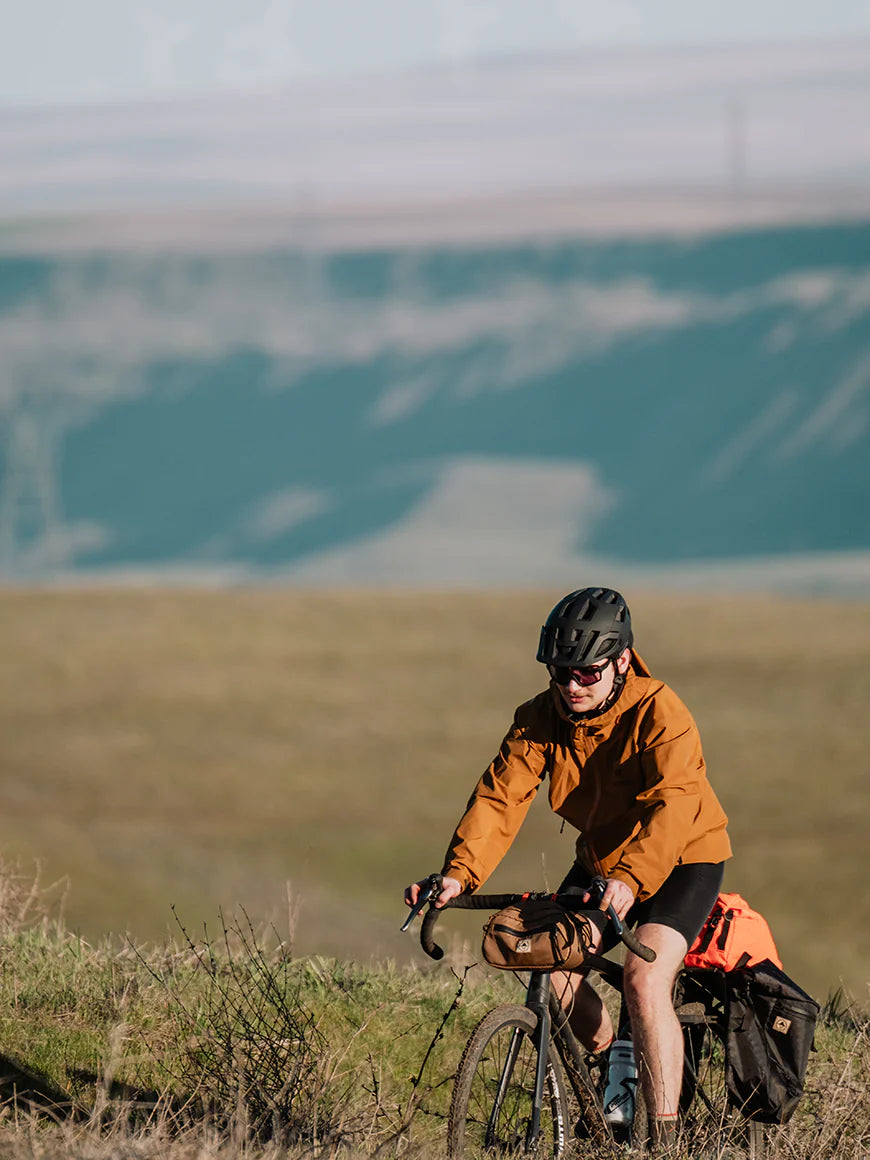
(552, 1023)
(698, 1007)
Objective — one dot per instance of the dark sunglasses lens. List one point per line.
(563, 675)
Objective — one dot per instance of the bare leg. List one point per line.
(587, 1015)
(657, 1035)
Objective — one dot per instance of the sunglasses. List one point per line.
(586, 675)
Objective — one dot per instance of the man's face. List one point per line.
(581, 698)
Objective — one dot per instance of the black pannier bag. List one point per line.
(771, 1023)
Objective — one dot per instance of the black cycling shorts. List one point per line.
(683, 901)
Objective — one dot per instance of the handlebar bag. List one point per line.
(536, 935)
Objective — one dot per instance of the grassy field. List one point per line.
(203, 749)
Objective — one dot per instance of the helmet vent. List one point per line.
(589, 625)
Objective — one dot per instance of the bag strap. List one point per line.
(708, 932)
(727, 918)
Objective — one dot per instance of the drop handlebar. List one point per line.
(432, 888)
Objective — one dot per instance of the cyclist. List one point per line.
(625, 768)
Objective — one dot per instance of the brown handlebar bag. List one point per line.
(536, 935)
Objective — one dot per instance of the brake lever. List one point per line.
(596, 892)
(428, 892)
(596, 889)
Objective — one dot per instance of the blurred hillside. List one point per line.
(503, 413)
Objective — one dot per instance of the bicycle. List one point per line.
(510, 1096)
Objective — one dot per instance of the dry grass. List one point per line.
(833, 1123)
(229, 1048)
(202, 748)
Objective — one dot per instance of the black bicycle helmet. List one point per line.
(586, 626)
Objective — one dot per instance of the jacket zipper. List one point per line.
(596, 801)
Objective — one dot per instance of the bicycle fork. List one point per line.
(537, 1000)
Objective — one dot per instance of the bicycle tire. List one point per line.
(708, 1118)
(486, 1118)
(587, 1090)
(641, 1125)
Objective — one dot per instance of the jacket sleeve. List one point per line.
(496, 808)
(674, 774)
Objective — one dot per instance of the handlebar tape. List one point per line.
(427, 942)
(637, 947)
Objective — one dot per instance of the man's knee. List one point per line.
(653, 982)
(648, 985)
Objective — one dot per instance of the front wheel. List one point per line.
(493, 1095)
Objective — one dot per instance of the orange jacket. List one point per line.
(632, 781)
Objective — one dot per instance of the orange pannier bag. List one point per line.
(733, 937)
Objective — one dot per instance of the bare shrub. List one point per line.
(250, 1055)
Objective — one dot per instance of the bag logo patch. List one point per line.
(781, 1025)
(524, 946)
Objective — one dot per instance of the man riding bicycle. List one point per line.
(625, 767)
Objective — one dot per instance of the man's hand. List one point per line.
(617, 894)
(449, 889)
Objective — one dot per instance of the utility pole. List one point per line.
(29, 500)
(736, 148)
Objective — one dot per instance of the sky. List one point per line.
(56, 52)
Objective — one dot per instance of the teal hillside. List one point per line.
(460, 414)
